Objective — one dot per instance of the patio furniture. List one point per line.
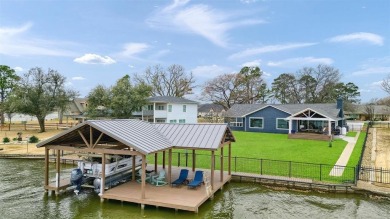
(182, 178)
(198, 179)
(159, 180)
(148, 178)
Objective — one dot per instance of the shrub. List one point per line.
(6, 140)
(33, 139)
(14, 139)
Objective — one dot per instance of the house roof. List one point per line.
(205, 108)
(242, 110)
(169, 99)
(144, 137)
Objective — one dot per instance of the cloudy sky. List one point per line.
(95, 42)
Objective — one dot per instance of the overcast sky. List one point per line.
(97, 42)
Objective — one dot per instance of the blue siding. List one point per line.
(269, 115)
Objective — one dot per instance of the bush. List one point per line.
(6, 140)
(33, 139)
(14, 139)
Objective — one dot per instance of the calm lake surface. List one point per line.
(22, 196)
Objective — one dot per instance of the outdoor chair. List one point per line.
(148, 177)
(198, 179)
(159, 180)
(182, 178)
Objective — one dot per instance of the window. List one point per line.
(281, 124)
(182, 121)
(169, 108)
(256, 122)
(150, 107)
(233, 122)
(160, 120)
(160, 107)
(172, 121)
(184, 108)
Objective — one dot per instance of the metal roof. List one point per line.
(145, 137)
(169, 99)
(201, 136)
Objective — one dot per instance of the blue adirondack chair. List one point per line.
(198, 179)
(182, 178)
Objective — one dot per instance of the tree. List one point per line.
(40, 93)
(386, 84)
(118, 101)
(284, 88)
(251, 87)
(171, 82)
(8, 81)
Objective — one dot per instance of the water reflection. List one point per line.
(22, 196)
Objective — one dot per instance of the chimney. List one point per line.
(340, 103)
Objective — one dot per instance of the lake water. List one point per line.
(22, 196)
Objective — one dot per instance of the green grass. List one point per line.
(355, 156)
(351, 134)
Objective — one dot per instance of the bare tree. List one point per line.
(386, 84)
(171, 82)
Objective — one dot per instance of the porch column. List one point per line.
(169, 165)
(212, 171)
(143, 176)
(329, 127)
(46, 168)
(230, 160)
(133, 168)
(289, 126)
(163, 161)
(154, 112)
(155, 162)
(58, 166)
(103, 179)
(221, 158)
(193, 160)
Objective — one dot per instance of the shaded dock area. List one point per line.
(180, 198)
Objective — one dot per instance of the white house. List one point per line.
(165, 109)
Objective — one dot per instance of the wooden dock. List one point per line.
(180, 198)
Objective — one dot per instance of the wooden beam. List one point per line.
(97, 141)
(163, 161)
(193, 160)
(133, 168)
(155, 162)
(83, 137)
(169, 165)
(103, 179)
(46, 167)
(143, 177)
(212, 171)
(221, 164)
(95, 150)
(58, 166)
(230, 160)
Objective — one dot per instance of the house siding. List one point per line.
(269, 115)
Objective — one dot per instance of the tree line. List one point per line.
(38, 92)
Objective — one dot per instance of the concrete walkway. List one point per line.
(339, 167)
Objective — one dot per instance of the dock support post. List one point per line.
(142, 206)
(46, 169)
(143, 177)
(155, 162)
(230, 160)
(163, 161)
(103, 179)
(169, 165)
(133, 168)
(221, 164)
(212, 171)
(193, 160)
(58, 177)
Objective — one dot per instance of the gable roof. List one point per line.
(205, 108)
(169, 99)
(327, 109)
(145, 137)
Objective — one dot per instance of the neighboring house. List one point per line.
(286, 118)
(165, 109)
(76, 109)
(360, 112)
(211, 109)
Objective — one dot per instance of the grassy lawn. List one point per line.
(351, 134)
(354, 159)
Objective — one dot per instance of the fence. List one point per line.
(372, 174)
(33, 126)
(380, 124)
(255, 166)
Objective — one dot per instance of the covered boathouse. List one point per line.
(139, 138)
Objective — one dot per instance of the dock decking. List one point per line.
(166, 196)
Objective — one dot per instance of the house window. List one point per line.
(160, 120)
(160, 107)
(256, 122)
(233, 122)
(150, 107)
(182, 121)
(169, 108)
(172, 121)
(281, 124)
(184, 108)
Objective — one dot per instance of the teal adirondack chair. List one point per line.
(159, 180)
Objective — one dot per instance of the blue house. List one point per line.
(286, 118)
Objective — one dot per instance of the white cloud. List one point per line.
(17, 41)
(130, 49)
(78, 78)
(248, 1)
(374, 66)
(376, 84)
(300, 61)
(372, 70)
(210, 71)
(270, 48)
(199, 19)
(252, 63)
(94, 59)
(360, 36)
(18, 69)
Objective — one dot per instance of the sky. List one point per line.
(94, 42)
